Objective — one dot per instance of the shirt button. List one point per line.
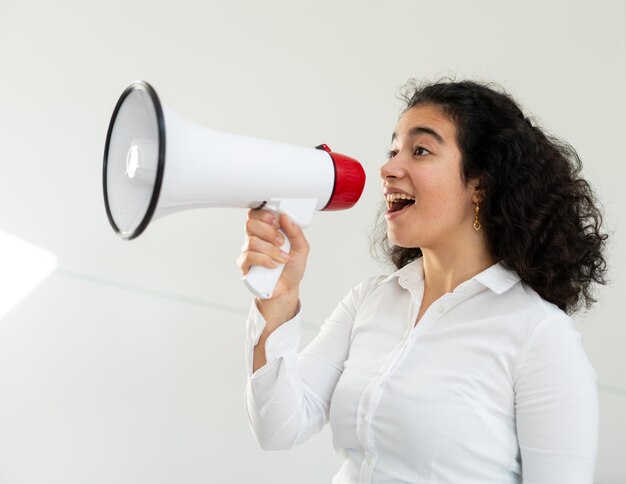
(441, 309)
(369, 460)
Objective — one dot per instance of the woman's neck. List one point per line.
(445, 270)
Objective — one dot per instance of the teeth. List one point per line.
(392, 197)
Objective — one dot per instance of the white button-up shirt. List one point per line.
(491, 386)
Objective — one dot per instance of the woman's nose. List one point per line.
(391, 169)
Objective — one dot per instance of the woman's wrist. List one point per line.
(279, 310)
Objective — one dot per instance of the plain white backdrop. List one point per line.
(125, 365)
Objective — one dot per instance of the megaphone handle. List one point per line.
(261, 281)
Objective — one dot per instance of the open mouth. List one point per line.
(397, 202)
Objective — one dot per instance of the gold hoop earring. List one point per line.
(477, 225)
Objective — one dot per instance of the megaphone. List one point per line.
(157, 163)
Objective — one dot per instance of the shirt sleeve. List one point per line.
(556, 405)
(288, 399)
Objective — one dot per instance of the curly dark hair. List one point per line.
(540, 217)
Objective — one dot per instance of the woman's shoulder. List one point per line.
(368, 285)
(372, 288)
(517, 308)
(541, 309)
(544, 321)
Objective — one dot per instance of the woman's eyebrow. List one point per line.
(414, 131)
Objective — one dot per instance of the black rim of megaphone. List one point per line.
(161, 162)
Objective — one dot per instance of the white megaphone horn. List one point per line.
(157, 163)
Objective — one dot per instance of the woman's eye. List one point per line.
(420, 151)
(391, 154)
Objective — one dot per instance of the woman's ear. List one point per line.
(478, 194)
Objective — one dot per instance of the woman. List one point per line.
(462, 366)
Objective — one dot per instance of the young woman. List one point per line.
(462, 366)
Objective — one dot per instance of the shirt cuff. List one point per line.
(284, 340)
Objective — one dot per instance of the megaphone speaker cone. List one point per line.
(134, 160)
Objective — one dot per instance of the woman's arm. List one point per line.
(288, 396)
(556, 407)
(262, 248)
(288, 399)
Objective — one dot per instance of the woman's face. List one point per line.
(428, 204)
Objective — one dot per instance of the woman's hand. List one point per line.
(262, 248)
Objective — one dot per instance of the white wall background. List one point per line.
(125, 365)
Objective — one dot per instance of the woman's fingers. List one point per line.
(263, 242)
(265, 231)
(264, 216)
(248, 259)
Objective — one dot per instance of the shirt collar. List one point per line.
(409, 276)
(497, 278)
